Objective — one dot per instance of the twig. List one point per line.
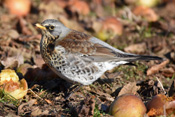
(161, 85)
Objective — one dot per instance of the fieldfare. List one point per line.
(78, 57)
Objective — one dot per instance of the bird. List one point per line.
(78, 57)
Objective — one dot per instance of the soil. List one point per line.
(151, 32)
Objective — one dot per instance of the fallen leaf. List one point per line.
(136, 48)
(14, 61)
(36, 111)
(13, 33)
(54, 7)
(129, 88)
(87, 107)
(155, 69)
(38, 60)
(22, 107)
(102, 95)
(48, 101)
(24, 26)
(168, 72)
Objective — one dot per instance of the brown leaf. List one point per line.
(130, 88)
(136, 48)
(102, 95)
(23, 25)
(48, 101)
(53, 6)
(12, 62)
(87, 107)
(36, 111)
(28, 104)
(13, 33)
(168, 72)
(38, 60)
(155, 69)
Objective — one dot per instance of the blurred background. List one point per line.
(136, 26)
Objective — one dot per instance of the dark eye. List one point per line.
(51, 27)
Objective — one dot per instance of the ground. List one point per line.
(121, 24)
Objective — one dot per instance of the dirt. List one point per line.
(49, 95)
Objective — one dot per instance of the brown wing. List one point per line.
(77, 42)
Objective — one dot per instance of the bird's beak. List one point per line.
(40, 26)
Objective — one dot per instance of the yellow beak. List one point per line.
(40, 26)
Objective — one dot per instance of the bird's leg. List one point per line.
(112, 77)
(78, 86)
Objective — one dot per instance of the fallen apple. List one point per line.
(128, 105)
(18, 7)
(9, 82)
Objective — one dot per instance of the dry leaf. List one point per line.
(52, 6)
(29, 104)
(87, 107)
(36, 111)
(48, 101)
(155, 69)
(14, 61)
(168, 72)
(136, 48)
(13, 33)
(38, 60)
(24, 26)
(130, 88)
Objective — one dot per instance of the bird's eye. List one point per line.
(51, 27)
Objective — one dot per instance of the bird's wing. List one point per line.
(80, 43)
(93, 48)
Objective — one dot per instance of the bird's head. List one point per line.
(52, 27)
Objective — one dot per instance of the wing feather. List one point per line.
(95, 49)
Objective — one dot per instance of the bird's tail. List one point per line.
(127, 57)
(133, 57)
